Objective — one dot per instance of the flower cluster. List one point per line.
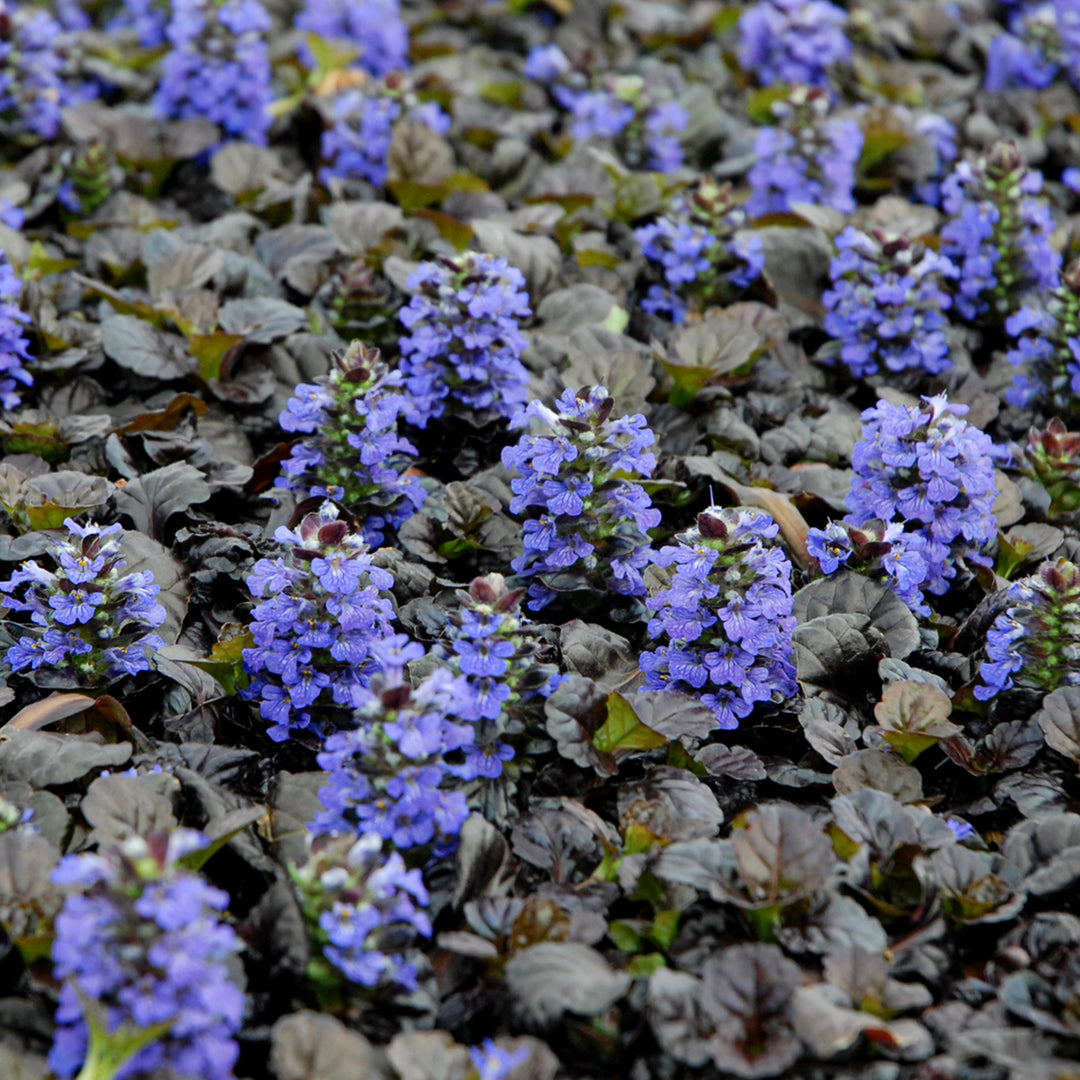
(646, 124)
(355, 455)
(388, 775)
(32, 88)
(495, 650)
(886, 308)
(807, 156)
(218, 67)
(141, 942)
(591, 529)
(97, 621)
(1035, 642)
(147, 19)
(726, 615)
(1029, 55)
(697, 246)
(998, 234)
(792, 41)
(883, 551)
(14, 348)
(362, 907)
(356, 143)
(934, 472)
(316, 629)
(1051, 457)
(373, 28)
(462, 352)
(1047, 349)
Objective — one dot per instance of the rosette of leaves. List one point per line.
(776, 869)
(879, 840)
(44, 500)
(1034, 642)
(1051, 458)
(354, 454)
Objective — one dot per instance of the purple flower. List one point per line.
(143, 940)
(590, 518)
(218, 67)
(354, 453)
(793, 41)
(110, 614)
(696, 246)
(726, 616)
(493, 1063)
(887, 304)
(14, 347)
(463, 351)
(1035, 641)
(998, 234)
(807, 157)
(930, 472)
(374, 28)
(316, 633)
(356, 144)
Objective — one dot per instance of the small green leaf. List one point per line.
(329, 56)
(502, 93)
(210, 350)
(1011, 556)
(664, 928)
(108, 1052)
(616, 320)
(226, 660)
(907, 745)
(641, 967)
(625, 937)
(759, 104)
(41, 264)
(622, 730)
(454, 232)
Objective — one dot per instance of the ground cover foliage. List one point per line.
(539, 540)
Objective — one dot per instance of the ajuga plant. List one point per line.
(373, 28)
(146, 19)
(357, 139)
(388, 773)
(588, 527)
(1051, 457)
(353, 453)
(93, 623)
(356, 142)
(14, 347)
(490, 643)
(364, 910)
(462, 354)
(792, 41)
(218, 67)
(1035, 641)
(726, 616)
(32, 88)
(806, 156)
(1030, 54)
(1047, 347)
(141, 952)
(929, 475)
(886, 306)
(696, 246)
(642, 120)
(320, 616)
(998, 234)
(492, 1062)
